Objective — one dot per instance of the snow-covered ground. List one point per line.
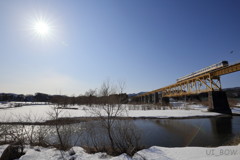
(2, 148)
(236, 110)
(188, 153)
(153, 153)
(171, 113)
(4, 105)
(36, 113)
(40, 113)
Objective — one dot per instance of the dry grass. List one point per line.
(232, 102)
(234, 141)
(204, 103)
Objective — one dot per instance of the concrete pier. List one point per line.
(156, 98)
(150, 98)
(165, 101)
(146, 99)
(218, 102)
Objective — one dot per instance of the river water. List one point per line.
(203, 132)
(189, 132)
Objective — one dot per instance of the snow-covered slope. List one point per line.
(39, 113)
(153, 153)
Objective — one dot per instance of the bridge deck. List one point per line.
(227, 70)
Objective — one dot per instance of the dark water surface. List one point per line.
(203, 132)
(189, 132)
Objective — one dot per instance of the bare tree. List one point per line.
(91, 96)
(64, 131)
(127, 137)
(109, 111)
(91, 92)
(55, 115)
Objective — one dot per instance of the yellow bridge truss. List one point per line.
(199, 84)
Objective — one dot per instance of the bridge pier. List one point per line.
(145, 99)
(156, 98)
(165, 101)
(150, 98)
(218, 102)
(142, 99)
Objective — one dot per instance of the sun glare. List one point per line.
(42, 28)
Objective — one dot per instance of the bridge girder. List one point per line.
(196, 85)
(206, 82)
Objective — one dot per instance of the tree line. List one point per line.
(89, 98)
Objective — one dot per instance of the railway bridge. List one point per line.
(207, 82)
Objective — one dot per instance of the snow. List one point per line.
(236, 110)
(171, 113)
(18, 104)
(54, 154)
(32, 113)
(186, 153)
(37, 113)
(2, 148)
(40, 113)
(152, 153)
(4, 105)
(49, 154)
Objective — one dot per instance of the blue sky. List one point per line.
(148, 44)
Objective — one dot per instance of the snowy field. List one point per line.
(41, 113)
(38, 113)
(4, 105)
(152, 153)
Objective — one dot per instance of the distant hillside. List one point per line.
(234, 88)
(233, 92)
(135, 94)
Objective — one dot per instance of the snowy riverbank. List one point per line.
(152, 153)
(40, 113)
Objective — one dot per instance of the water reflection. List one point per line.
(188, 132)
(205, 132)
(222, 125)
(183, 131)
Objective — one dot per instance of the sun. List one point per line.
(42, 28)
